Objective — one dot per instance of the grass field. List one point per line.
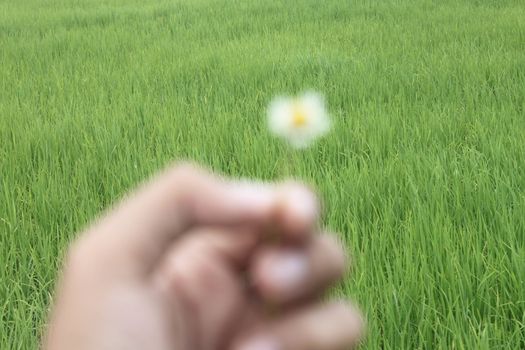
(424, 175)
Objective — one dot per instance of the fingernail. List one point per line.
(302, 203)
(288, 271)
(260, 343)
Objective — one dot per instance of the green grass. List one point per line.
(424, 175)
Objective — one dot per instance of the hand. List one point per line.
(188, 262)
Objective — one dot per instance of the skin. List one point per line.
(193, 261)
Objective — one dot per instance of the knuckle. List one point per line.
(179, 184)
(184, 178)
(184, 171)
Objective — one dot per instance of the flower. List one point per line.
(299, 120)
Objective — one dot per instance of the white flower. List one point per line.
(299, 120)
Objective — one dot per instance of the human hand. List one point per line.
(186, 263)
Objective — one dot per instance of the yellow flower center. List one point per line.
(299, 117)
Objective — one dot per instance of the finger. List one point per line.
(334, 326)
(136, 234)
(193, 273)
(295, 213)
(286, 275)
(229, 246)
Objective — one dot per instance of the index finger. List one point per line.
(136, 234)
